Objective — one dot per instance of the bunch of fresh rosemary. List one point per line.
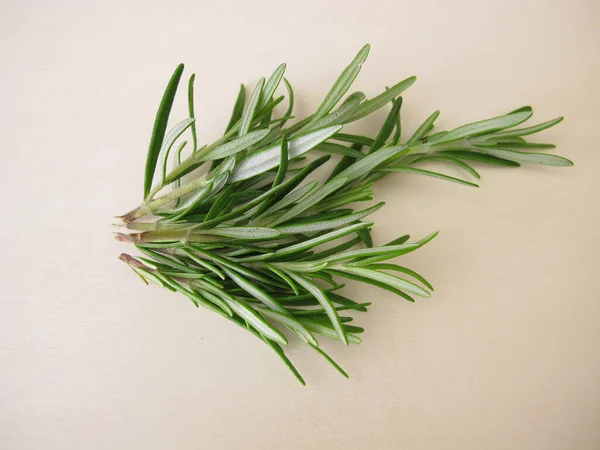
(243, 236)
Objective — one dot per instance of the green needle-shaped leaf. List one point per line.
(398, 128)
(220, 204)
(216, 300)
(337, 249)
(254, 319)
(485, 126)
(191, 111)
(430, 174)
(303, 266)
(318, 311)
(343, 83)
(388, 126)
(205, 264)
(286, 361)
(283, 163)
(479, 157)
(370, 106)
(427, 239)
(290, 92)
(330, 360)
(329, 224)
(322, 298)
(390, 251)
(401, 269)
(238, 108)
(170, 139)
(527, 157)
(160, 126)
(354, 139)
(385, 278)
(365, 236)
(457, 162)
(399, 241)
(423, 129)
(255, 291)
(529, 130)
(250, 109)
(284, 277)
(271, 86)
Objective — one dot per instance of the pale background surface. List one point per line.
(505, 355)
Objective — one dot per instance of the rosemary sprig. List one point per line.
(243, 233)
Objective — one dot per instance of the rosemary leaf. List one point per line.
(160, 126)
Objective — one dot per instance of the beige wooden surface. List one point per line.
(504, 356)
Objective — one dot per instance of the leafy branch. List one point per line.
(244, 228)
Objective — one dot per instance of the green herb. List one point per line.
(243, 233)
